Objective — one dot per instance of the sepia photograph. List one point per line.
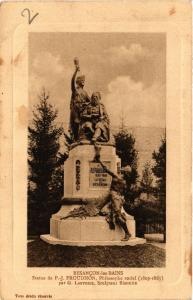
(95, 107)
(97, 150)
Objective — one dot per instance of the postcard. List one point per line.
(95, 150)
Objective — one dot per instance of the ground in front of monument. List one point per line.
(41, 254)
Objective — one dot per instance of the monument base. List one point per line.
(88, 232)
(85, 179)
(54, 241)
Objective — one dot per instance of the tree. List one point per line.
(147, 179)
(159, 171)
(125, 149)
(44, 158)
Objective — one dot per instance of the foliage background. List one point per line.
(144, 200)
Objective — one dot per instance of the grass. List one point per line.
(41, 254)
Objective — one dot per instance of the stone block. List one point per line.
(89, 229)
(54, 241)
(80, 178)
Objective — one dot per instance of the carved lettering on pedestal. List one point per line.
(78, 175)
(98, 179)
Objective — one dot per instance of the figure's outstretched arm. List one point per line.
(73, 80)
(107, 170)
(97, 159)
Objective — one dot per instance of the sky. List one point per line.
(129, 69)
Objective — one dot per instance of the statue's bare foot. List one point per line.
(126, 238)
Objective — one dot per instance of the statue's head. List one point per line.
(80, 80)
(95, 98)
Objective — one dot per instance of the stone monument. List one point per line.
(82, 219)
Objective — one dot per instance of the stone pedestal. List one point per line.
(95, 229)
(86, 180)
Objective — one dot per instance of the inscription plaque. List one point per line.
(98, 179)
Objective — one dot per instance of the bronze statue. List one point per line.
(78, 99)
(88, 117)
(94, 121)
(116, 198)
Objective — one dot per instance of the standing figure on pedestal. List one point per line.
(79, 98)
(116, 198)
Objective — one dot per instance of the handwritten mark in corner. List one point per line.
(27, 12)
